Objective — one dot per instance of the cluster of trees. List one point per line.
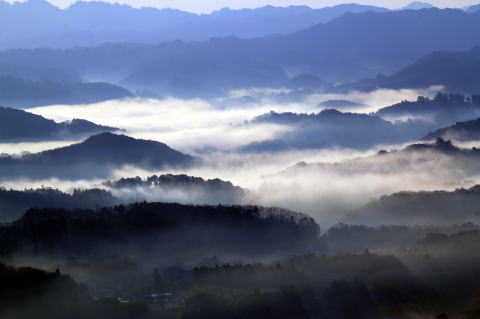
(183, 188)
(170, 180)
(156, 229)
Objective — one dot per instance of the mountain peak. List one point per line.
(417, 5)
(106, 138)
(37, 4)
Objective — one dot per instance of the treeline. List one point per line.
(155, 230)
(181, 188)
(173, 181)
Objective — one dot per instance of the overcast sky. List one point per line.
(210, 5)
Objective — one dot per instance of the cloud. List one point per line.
(31, 147)
(192, 125)
(345, 179)
(188, 125)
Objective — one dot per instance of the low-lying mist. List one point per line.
(345, 180)
(193, 125)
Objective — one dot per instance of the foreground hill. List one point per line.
(33, 293)
(156, 230)
(97, 156)
(18, 92)
(21, 126)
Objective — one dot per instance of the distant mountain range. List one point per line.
(455, 71)
(359, 46)
(28, 93)
(93, 23)
(97, 156)
(21, 126)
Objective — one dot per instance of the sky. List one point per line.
(205, 6)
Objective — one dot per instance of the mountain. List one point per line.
(21, 126)
(97, 156)
(460, 131)
(417, 6)
(473, 9)
(359, 46)
(329, 128)
(421, 208)
(18, 92)
(386, 41)
(455, 71)
(93, 23)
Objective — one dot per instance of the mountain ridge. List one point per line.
(21, 126)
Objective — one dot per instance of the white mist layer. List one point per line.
(327, 192)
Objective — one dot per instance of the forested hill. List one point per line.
(21, 126)
(97, 156)
(158, 229)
